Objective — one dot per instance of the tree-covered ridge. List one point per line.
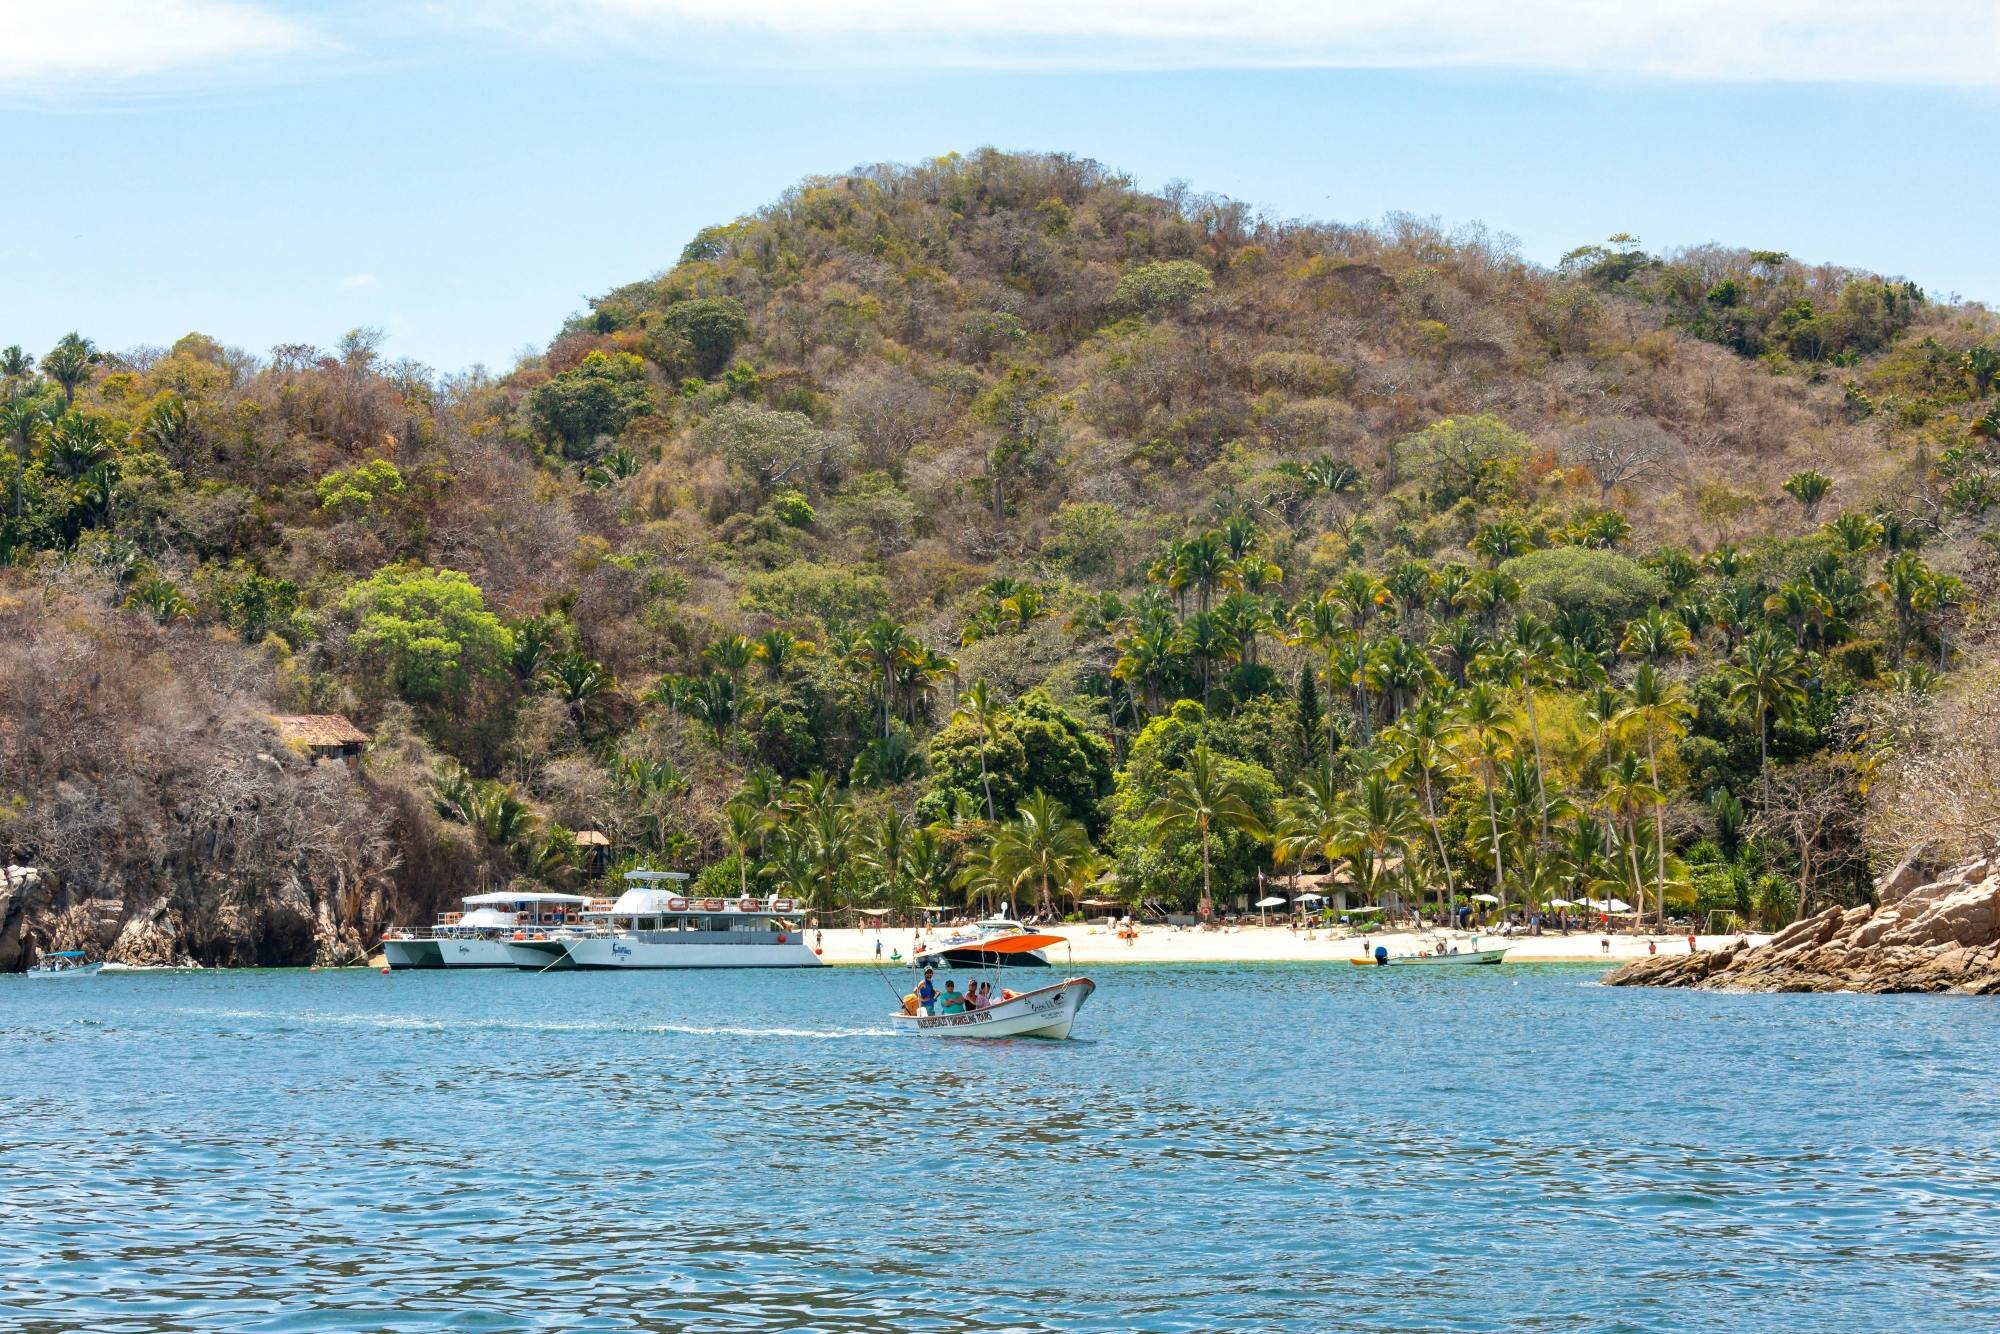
(992, 527)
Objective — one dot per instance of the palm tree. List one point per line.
(743, 824)
(1766, 678)
(732, 653)
(1660, 707)
(930, 865)
(1809, 488)
(1421, 741)
(1042, 846)
(21, 419)
(883, 849)
(1656, 636)
(1482, 721)
(1374, 822)
(777, 649)
(1319, 626)
(1521, 660)
(1202, 798)
(981, 708)
(1304, 826)
(16, 366)
(68, 364)
(1204, 638)
(883, 646)
(1627, 793)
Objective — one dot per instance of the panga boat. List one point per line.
(975, 948)
(63, 963)
(1446, 952)
(654, 924)
(1045, 1012)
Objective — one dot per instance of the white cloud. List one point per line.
(354, 282)
(1910, 41)
(52, 45)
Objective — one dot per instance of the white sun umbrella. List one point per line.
(1268, 901)
(1486, 898)
(1310, 897)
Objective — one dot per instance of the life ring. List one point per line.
(520, 935)
(746, 904)
(781, 905)
(677, 904)
(711, 905)
(781, 937)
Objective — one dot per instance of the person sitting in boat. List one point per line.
(927, 993)
(978, 996)
(951, 1002)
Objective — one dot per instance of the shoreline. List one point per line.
(849, 946)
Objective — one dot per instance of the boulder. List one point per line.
(1940, 934)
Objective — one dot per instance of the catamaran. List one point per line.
(974, 947)
(63, 963)
(476, 937)
(655, 924)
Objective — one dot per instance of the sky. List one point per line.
(465, 175)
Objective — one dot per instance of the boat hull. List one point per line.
(50, 974)
(971, 956)
(401, 954)
(636, 951)
(1474, 958)
(475, 952)
(1047, 1012)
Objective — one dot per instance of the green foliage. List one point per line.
(836, 596)
(1582, 580)
(711, 328)
(1460, 457)
(582, 410)
(1036, 745)
(1163, 285)
(350, 490)
(429, 628)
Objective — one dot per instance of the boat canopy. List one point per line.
(648, 901)
(648, 877)
(1023, 944)
(508, 896)
(64, 954)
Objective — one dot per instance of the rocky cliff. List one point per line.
(1926, 933)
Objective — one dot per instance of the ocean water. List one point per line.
(1222, 1148)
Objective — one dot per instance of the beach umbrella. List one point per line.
(1268, 901)
(1486, 898)
(1310, 897)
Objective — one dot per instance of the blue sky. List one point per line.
(464, 179)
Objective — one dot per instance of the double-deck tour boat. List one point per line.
(1045, 1012)
(64, 963)
(656, 924)
(478, 936)
(975, 947)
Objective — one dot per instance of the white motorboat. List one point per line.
(476, 937)
(972, 948)
(1046, 1012)
(1443, 952)
(655, 924)
(64, 963)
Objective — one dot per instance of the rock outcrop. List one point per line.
(1939, 935)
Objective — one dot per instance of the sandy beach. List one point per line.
(1276, 944)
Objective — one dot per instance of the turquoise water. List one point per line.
(1269, 1148)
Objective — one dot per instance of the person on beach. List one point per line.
(1691, 949)
(927, 993)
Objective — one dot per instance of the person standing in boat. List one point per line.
(927, 993)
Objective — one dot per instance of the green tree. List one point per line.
(1658, 708)
(1043, 847)
(1372, 824)
(582, 410)
(1203, 798)
(1766, 680)
(711, 327)
(1810, 489)
(1163, 285)
(69, 364)
(428, 627)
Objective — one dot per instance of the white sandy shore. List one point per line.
(1277, 944)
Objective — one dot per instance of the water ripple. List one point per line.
(1227, 1147)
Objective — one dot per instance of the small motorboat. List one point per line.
(986, 944)
(1046, 1012)
(64, 963)
(1446, 952)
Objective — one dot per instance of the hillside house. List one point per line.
(322, 736)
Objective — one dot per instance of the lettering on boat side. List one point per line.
(616, 948)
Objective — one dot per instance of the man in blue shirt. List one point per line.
(927, 993)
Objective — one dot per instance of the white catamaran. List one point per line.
(654, 924)
(476, 938)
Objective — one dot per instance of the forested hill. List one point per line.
(993, 527)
